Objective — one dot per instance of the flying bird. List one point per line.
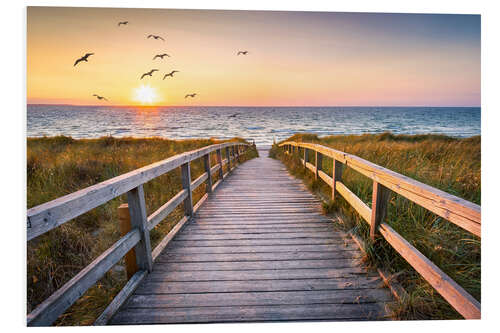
(160, 56)
(190, 95)
(242, 52)
(156, 37)
(124, 23)
(150, 73)
(171, 74)
(84, 58)
(100, 97)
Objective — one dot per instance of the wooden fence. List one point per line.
(465, 214)
(49, 215)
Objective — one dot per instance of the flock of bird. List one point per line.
(150, 73)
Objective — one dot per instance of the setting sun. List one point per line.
(145, 94)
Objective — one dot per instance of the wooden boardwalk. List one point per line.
(258, 249)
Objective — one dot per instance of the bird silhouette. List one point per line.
(100, 97)
(123, 22)
(160, 56)
(156, 37)
(242, 52)
(150, 73)
(84, 58)
(171, 74)
(190, 95)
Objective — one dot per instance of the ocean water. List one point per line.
(262, 124)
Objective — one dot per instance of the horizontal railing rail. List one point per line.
(463, 213)
(52, 214)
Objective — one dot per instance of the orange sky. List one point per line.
(295, 58)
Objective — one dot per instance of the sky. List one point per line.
(294, 58)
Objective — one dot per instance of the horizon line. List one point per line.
(268, 106)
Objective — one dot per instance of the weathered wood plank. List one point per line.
(459, 211)
(266, 264)
(380, 198)
(139, 221)
(352, 296)
(371, 311)
(460, 299)
(208, 171)
(50, 309)
(186, 184)
(259, 285)
(47, 216)
(120, 298)
(161, 213)
(259, 256)
(256, 249)
(356, 203)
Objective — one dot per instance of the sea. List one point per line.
(260, 124)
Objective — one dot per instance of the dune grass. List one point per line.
(450, 164)
(57, 166)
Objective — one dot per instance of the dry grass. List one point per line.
(450, 164)
(57, 166)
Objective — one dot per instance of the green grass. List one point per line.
(450, 164)
(57, 166)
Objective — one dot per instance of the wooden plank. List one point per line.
(161, 213)
(49, 215)
(319, 164)
(371, 311)
(270, 248)
(175, 229)
(255, 265)
(258, 285)
(168, 238)
(260, 274)
(259, 256)
(460, 299)
(198, 181)
(219, 162)
(125, 228)
(120, 298)
(186, 184)
(328, 234)
(456, 210)
(208, 171)
(380, 198)
(139, 220)
(50, 309)
(259, 298)
(364, 211)
(257, 242)
(336, 176)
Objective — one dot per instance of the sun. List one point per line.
(145, 94)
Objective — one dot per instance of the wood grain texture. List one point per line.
(49, 215)
(463, 213)
(259, 249)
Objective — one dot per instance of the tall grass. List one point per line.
(57, 166)
(450, 164)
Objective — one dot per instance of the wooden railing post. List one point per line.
(219, 161)
(306, 156)
(186, 184)
(228, 156)
(206, 162)
(319, 163)
(139, 220)
(336, 176)
(380, 198)
(125, 227)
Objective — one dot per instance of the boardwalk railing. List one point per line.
(465, 214)
(49, 215)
